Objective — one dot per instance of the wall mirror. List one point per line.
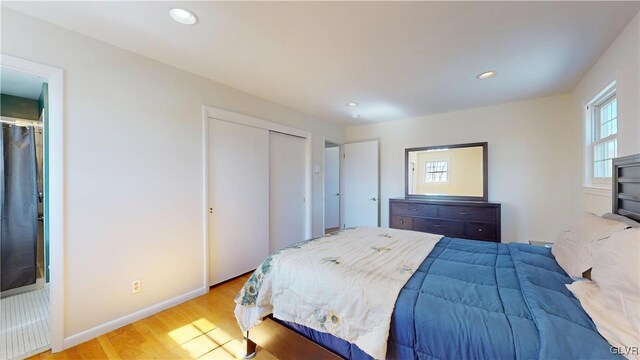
(447, 172)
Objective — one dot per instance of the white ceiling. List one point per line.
(397, 60)
(20, 84)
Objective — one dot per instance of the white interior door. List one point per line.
(413, 176)
(287, 183)
(239, 199)
(361, 188)
(331, 187)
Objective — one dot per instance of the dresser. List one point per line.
(478, 220)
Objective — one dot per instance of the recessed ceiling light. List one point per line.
(183, 16)
(352, 104)
(486, 75)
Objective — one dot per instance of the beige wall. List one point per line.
(133, 161)
(529, 159)
(464, 173)
(133, 168)
(620, 62)
(536, 147)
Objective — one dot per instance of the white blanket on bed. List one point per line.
(345, 284)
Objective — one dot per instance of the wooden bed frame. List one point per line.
(283, 342)
(626, 186)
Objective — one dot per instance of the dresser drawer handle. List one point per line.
(438, 226)
(464, 213)
(479, 230)
(401, 221)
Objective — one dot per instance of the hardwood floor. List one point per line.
(202, 328)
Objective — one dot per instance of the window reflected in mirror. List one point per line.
(456, 171)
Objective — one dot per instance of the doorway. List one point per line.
(331, 187)
(45, 130)
(24, 289)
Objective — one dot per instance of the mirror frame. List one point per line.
(485, 173)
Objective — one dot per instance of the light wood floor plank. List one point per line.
(108, 348)
(204, 328)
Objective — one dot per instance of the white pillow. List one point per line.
(616, 271)
(571, 249)
(624, 219)
(611, 323)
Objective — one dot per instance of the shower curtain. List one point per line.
(18, 207)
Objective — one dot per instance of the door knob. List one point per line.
(338, 194)
(373, 199)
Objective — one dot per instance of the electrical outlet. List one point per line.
(136, 287)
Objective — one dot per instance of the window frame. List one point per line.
(593, 129)
(427, 172)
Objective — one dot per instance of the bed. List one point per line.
(475, 299)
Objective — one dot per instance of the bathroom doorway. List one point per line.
(24, 290)
(44, 130)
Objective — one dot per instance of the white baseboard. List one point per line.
(102, 329)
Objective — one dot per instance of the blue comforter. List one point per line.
(480, 300)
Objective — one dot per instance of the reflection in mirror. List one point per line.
(456, 171)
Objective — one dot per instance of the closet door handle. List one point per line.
(373, 199)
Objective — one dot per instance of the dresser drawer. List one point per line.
(461, 219)
(412, 209)
(467, 213)
(402, 222)
(481, 231)
(438, 226)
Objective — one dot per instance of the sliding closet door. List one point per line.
(239, 199)
(287, 215)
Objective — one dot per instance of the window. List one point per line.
(603, 136)
(436, 172)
